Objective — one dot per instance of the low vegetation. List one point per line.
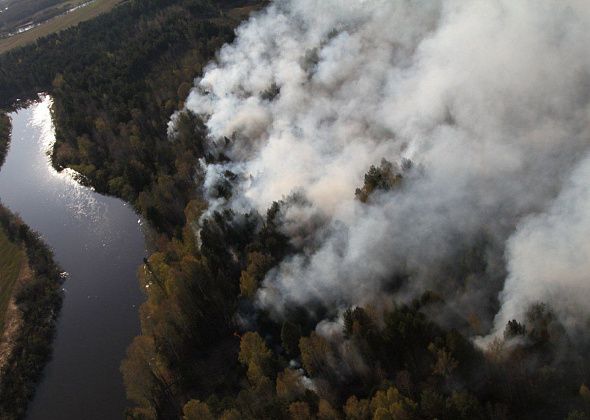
(17, 14)
(11, 262)
(37, 298)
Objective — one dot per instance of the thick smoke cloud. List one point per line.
(489, 99)
(548, 256)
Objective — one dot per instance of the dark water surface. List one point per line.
(99, 242)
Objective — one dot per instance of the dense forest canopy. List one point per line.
(114, 91)
(356, 222)
(423, 205)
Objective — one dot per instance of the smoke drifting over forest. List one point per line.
(489, 100)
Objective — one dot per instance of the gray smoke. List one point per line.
(549, 254)
(489, 99)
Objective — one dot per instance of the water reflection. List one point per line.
(78, 199)
(99, 242)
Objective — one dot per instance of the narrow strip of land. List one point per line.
(58, 23)
(11, 258)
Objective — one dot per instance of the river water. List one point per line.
(99, 242)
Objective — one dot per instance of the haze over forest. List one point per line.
(354, 209)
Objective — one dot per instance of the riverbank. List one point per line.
(4, 136)
(12, 264)
(117, 138)
(99, 241)
(74, 16)
(30, 299)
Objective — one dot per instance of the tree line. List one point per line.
(5, 131)
(115, 81)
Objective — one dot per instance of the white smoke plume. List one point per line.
(489, 99)
(549, 257)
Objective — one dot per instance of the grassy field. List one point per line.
(58, 23)
(11, 259)
(16, 14)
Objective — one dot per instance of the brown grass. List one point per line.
(13, 320)
(11, 261)
(57, 24)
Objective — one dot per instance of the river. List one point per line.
(99, 242)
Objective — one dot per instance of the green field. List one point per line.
(11, 258)
(18, 14)
(58, 23)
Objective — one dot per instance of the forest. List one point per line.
(218, 356)
(115, 90)
(208, 349)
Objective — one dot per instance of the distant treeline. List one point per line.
(38, 300)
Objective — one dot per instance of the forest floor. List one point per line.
(58, 23)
